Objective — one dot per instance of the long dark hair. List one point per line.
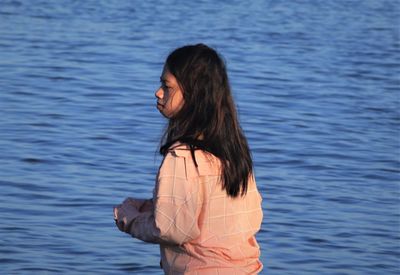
(208, 118)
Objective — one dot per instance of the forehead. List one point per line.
(166, 76)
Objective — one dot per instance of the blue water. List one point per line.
(317, 87)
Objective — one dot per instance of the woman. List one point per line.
(205, 209)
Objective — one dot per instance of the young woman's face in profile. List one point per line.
(169, 95)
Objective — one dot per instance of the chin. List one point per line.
(163, 114)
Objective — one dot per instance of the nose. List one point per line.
(159, 93)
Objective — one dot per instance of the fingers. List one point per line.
(119, 222)
(120, 225)
(126, 212)
(116, 212)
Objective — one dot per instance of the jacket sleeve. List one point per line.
(174, 219)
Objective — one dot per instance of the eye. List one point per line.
(164, 86)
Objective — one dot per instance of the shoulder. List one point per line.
(179, 153)
(179, 150)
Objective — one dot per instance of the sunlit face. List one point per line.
(169, 95)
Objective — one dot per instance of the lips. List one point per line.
(159, 105)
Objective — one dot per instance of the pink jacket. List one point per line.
(199, 228)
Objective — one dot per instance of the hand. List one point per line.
(142, 205)
(124, 214)
(137, 203)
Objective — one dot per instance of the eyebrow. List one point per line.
(163, 80)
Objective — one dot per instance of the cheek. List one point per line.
(179, 100)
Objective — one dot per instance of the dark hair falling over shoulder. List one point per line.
(208, 119)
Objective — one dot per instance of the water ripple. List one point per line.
(316, 85)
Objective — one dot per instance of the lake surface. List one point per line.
(317, 87)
